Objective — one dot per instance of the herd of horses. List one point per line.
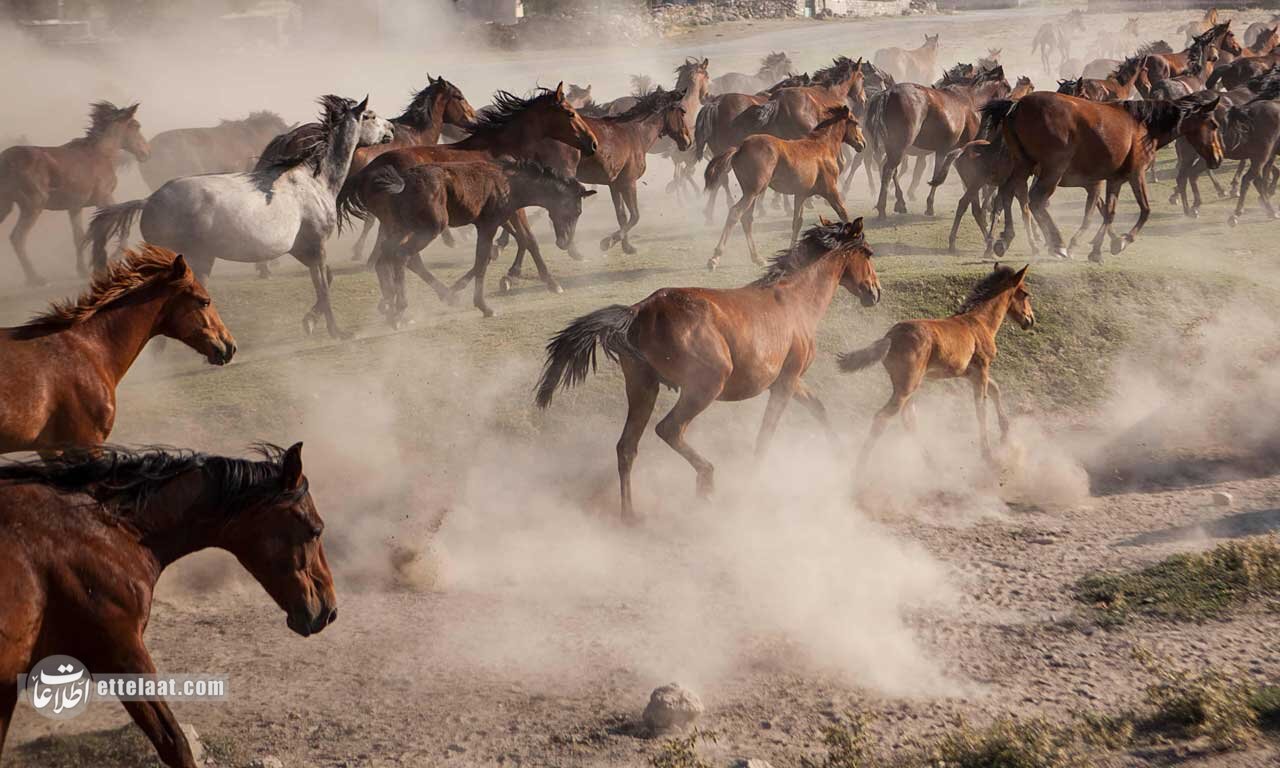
(99, 523)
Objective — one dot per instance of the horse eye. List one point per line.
(206, 303)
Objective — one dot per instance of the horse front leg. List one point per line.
(1138, 183)
(485, 233)
(126, 654)
(1090, 203)
(525, 241)
(797, 218)
(1108, 216)
(620, 212)
(76, 216)
(1001, 417)
(27, 215)
(632, 202)
(313, 257)
(980, 381)
(779, 397)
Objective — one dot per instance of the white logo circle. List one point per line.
(58, 687)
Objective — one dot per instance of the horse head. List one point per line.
(188, 314)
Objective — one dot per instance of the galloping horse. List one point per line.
(430, 198)
(68, 178)
(441, 103)
(1161, 66)
(909, 66)
(512, 127)
(1241, 71)
(232, 145)
(717, 344)
(58, 383)
(285, 207)
(774, 67)
(694, 81)
(85, 537)
(1067, 141)
(1057, 35)
(1127, 82)
(1189, 82)
(934, 119)
(799, 167)
(619, 159)
(1250, 134)
(963, 345)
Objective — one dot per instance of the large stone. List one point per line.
(672, 706)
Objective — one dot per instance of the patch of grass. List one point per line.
(848, 745)
(682, 751)
(1103, 731)
(1007, 743)
(1187, 587)
(1265, 702)
(1208, 704)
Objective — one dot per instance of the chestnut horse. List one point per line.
(910, 66)
(620, 157)
(1067, 141)
(68, 178)
(937, 120)
(1241, 71)
(58, 383)
(1250, 134)
(427, 199)
(717, 344)
(963, 345)
(1127, 82)
(85, 537)
(441, 103)
(799, 167)
(1161, 66)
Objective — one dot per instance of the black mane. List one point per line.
(841, 67)
(654, 101)
(987, 288)
(122, 480)
(1266, 85)
(103, 115)
(817, 241)
(506, 107)
(1127, 68)
(308, 143)
(541, 171)
(1154, 47)
(419, 108)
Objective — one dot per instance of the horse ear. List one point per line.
(856, 227)
(823, 220)
(359, 109)
(587, 193)
(179, 268)
(706, 62)
(1211, 106)
(1021, 275)
(291, 467)
(130, 111)
(560, 91)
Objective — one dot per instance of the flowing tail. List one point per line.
(704, 127)
(352, 201)
(718, 169)
(112, 221)
(944, 167)
(875, 121)
(862, 358)
(571, 353)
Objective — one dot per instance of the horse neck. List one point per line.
(831, 135)
(813, 287)
(991, 313)
(511, 139)
(120, 333)
(109, 142)
(428, 129)
(338, 159)
(178, 519)
(648, 128)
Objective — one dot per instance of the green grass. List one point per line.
(1187, 587)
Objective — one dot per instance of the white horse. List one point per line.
(285, 205)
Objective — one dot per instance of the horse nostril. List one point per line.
(333, 616)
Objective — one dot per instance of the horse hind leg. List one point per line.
(76, 217)
(619, 211)
(642, 394)
(917, 173)
(357, 250)
(748, 229)
(633, 206)
(745, 203)
(27, 215)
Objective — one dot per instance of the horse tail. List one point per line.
(1211, 83)
(351, 202)
(863, 358)
(704, 127)
(875, 117)
(944, 167)
(718, 168)
(572, 351)
(112, 221)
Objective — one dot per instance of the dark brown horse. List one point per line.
(620, 158)
(85, 537)
(422, 202)
(1127, 82)
(69, 178)
(232, 145)
(1189, 82)
(1250, 134)
(937, 120)
(717, 344)
(512, 127)
(910, 66)
(58, 382)
(1067, 141)
(1241, 71)
(800, 167)
(963, 345)
(440, 104)
(983, 165)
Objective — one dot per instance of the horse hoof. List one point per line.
(606, 243)
(1096, 256)
(308, 325)
(575, 254)
(450, 298)
(1234, 220)
(629, 249)
(488, 312)
(1117, 246)
(504, 285)
(1000, 247)
(1195, 213)
(554, 287)
(1061, 253)
(712, 264)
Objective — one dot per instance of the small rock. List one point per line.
(193, 740)
(672, 706)
(1222, 499)
(266, 762)
(750, 763)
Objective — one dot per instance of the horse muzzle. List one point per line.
(590, 148)
(1027, 323)
(870, 296)
(221, 351)
(307, 624)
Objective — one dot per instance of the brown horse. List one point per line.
(69, 178)
(983, 165)
(85, 537)
(1191, 81)
(232, 145)
(1067, 141)
(717, 344)
(619, 161)
(427, 199)
(1056, 35)
(694, 80)
(1162, 66)
(440, 104)
(1127, 82)
(512, 127)
(910, 66)
(1250, 134)
(1239, 72)
(58, 383)
(1265, 42)
(799, 167)
(963, 345)
(937, 120)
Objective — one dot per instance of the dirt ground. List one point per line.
(492, 612)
